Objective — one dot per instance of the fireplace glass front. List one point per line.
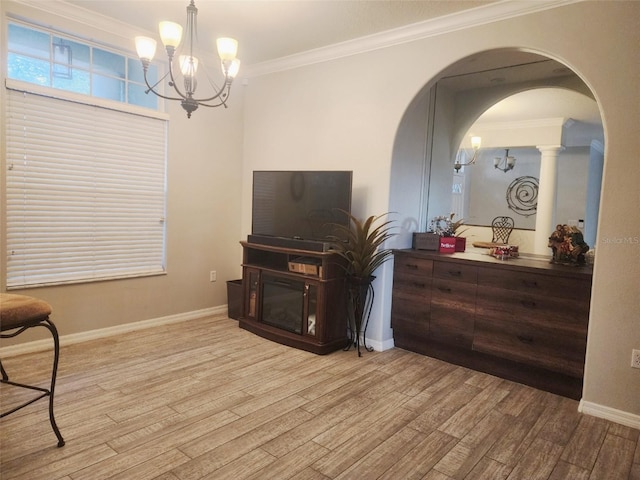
(283, 303)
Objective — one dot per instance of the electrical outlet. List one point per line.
(635, 358)
(213, 276)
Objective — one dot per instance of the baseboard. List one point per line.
(608, 413)
(380, 346)
(45, 344)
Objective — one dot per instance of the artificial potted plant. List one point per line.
(359, 244)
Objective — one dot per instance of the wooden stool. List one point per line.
(19, 313)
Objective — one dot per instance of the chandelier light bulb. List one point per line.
(188, 65)
(476, 142)
(146, 48)
(227, 48)
(170, 34)
(234, 68)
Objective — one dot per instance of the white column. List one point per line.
(546, 209)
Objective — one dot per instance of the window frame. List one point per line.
(89, 102)
(92, 69)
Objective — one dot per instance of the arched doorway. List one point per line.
(437, 123)
(427, 142)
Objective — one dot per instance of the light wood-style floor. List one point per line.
(204, 399)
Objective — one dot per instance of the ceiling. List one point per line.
(501, 67)
(270, 29)
(273, 29)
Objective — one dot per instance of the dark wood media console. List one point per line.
(294, 297)
(522, 319)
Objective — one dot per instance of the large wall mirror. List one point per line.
(518, 104)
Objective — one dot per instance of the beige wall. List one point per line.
(345, 113)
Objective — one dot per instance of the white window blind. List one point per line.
(85, 192)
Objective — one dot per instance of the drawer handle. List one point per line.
(419, 285)
(411, 266)
(455, 273)
(445, 289)
(530, 283)
(528, 303)
(525, 339)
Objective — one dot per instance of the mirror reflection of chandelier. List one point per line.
(475, 144)
(505, 163)
(171, 36)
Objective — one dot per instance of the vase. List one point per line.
(359, 302)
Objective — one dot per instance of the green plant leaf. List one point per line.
(360, 243)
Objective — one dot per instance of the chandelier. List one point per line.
(505, 163)
(475, 144)
(171, 36)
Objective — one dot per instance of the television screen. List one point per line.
(300, 204)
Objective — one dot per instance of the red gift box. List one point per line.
(461, 244)
(447, 244)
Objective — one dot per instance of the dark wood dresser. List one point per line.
(520, 319)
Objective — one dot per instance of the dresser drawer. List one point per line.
(560, 316)
(412, 284)
(536, 283)
(455, 271)
(405, 304)
(407, 264)
(453, 294)
(530, 345)
(410, 314)
(452, 312)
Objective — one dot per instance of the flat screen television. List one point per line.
(299, 205)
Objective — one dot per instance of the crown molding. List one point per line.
(96, 21)
(486, 14)
(483, 15)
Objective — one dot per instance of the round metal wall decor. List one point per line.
(522, 196)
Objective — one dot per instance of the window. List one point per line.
(51, 60)
(85, 182)
(85, 192)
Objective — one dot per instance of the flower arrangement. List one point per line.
(445, 226)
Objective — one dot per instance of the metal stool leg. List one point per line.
(54, 372)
